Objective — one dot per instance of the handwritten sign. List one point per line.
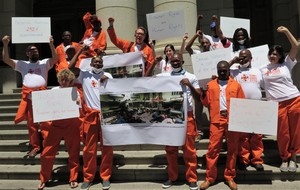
(229, 25)
(55, 104)
(253, 116)
(163, 25)
(30, 29)
(205, 64)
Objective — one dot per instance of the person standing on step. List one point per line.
(67, 129)
(189, 150)
(279, 87)
(91, 80)
(251, 146)
(35, 75)
(241, 40)
(217, 99)
(141, 43)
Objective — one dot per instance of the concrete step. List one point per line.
(10, 102)
(9, 109)
(11, 96)
(10, 125)
(7, 116)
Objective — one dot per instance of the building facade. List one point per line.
(265, 16)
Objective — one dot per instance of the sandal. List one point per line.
(73, 184)
(41, 186)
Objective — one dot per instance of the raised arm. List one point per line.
(54, 58)
(5, 53)
(184, 38)
(189, 45)
(294, 43)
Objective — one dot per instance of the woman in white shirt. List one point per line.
(280, 88)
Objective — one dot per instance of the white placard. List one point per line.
(205, 64)
(55, 104)
(163, 25)
(31, 29)
(253, 116)
(259, 56)
(144, 110)
(229, 25)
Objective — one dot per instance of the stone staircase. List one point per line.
(133, 163)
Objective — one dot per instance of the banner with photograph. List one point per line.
(144, 110)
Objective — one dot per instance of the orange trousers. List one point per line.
(70, 133)
(251, 148)
(189, 154)
(288, 132)
(217, 131)
(33, 128)
(91, 136)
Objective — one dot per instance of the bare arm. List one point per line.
(5, 53)
(195, 91)
(294, 43)
(189, 45)
(54, 58)
(218, 29)
(184, 38)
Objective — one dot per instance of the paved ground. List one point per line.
(32, 185)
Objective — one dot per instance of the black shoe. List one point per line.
(193, 185)
(258, 167)
(167, 184)
(242, 166)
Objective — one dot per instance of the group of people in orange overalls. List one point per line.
(216, 95)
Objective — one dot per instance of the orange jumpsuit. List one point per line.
(219, 127)
(91, 136)
(25, 113)
(124, 45)
(288, 132)
(99, 41)
(189, 154)
(62, 63)
(251, 144)
(67, 129)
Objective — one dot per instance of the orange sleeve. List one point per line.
(86, 21)
(121, 44)
(100, 42)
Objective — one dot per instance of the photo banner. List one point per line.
(164, 25)
(144, 110)
(30, 29)
(48, 105)
(253, 116)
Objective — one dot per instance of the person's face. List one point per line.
(223, 71)
(97, 63)
(67, 36)
(97, 26)
(205, 44)
(139, 36)
(176, 61)
(244, 57)
(240, 35)
(274, 57)
(33, 54)
(64, 82)
(169, 52)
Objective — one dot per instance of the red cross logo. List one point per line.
(244, 77)
(94, 83)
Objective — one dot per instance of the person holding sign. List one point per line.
(280, 88)
(91, 80)
(189, 150)
(94, 37)
(251, 81)
(217, 98)
(65, 51)
(67, 129)
(240, 40)
(35, 74)
(141, 43)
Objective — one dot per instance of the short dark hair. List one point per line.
(28, 48)
(279, 49)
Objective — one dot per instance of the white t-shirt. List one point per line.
(34, 74)
(193, 80)
(250, 80)
(90, 85)
(165, 67)
(215, 42)
(89, 41)
(223, 85)
(278, 82)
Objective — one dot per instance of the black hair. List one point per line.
(28, 48)
(236, 45)
(279, 49)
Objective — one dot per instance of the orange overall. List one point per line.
(124, 45)
(62, 63)
(91, 136)
(189, 154)
(67, 129)
(251, 144)
(288, 132)
(25, 113)
(219, 128)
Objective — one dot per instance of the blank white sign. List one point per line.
(55, 104)
(253, 116)
(229, 25)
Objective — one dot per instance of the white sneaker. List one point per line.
(284, 167)
(292, 166)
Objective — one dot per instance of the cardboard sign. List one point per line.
(229, 25)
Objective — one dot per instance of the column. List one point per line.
(125, 15)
